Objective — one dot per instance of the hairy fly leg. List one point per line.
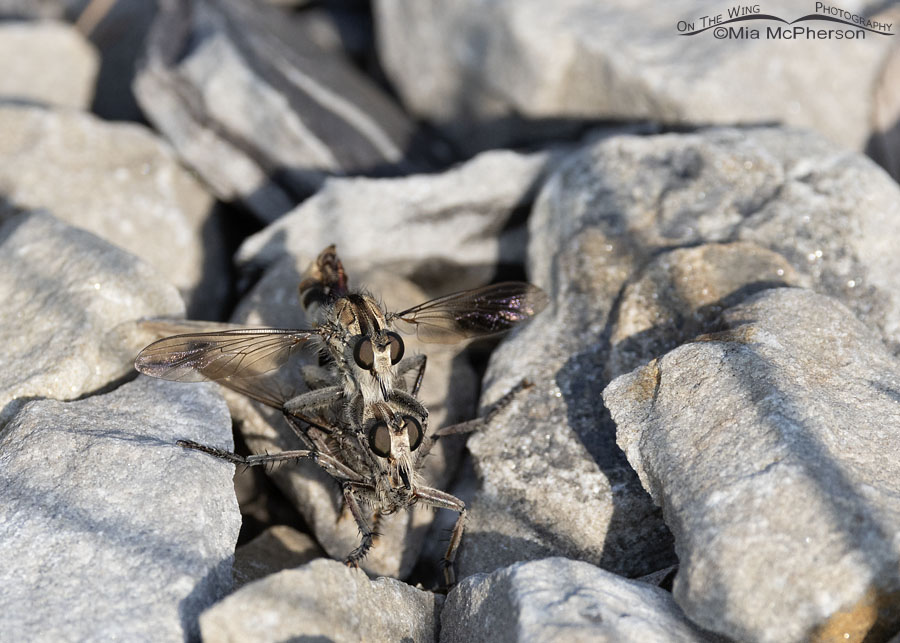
(443, 500)
(475, 424)
(414, 363)
(367, 532)
(300, 406)
(332, 466)
(408, 402)
(314, 400)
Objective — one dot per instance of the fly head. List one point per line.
(365, 345)
(392, 435)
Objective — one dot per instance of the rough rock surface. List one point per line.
(119, 31)
(831, 213)
(448, 392)
(652, 249)
(122, 183)
(771, 448)
(279, 547)
(68, 300)
(447, 230)
(562, 600)
(30, 9)
(508, 71)
(54, 64)
(324, 600)
(258, 108)
(108, 530)
(680, 294)
(551, 479)
(885, 139)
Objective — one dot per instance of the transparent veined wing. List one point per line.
(472, 313)
(227, 355)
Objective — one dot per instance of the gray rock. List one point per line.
(69, 300)
(108, 531)
(118, 30)
(47, 9)
(562, 600)
(54, 64)
(122, 183)
(883, 143)
(681, 293)
(771, 448)
(324, 600)
(262, 505)
(448, 392)
(832, 214)
(347, 27)
(446, 231)
(288, 3)
(551, 478)
(277, 548)
(661, 577)
(258, 108)
(507, 71)
(551, 481)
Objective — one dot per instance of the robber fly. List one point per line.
(359, 338)
(372, 447)
(359, 462)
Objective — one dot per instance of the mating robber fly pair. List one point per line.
(360, 420)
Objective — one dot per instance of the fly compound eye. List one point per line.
(380, 440)
(413, 432)
(396, 347)
(364, 354)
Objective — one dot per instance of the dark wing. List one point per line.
(472, 313)
(225, 356)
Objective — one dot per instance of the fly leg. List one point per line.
(405, 399)
(475, 424)
(312, 401)
(352, 484)
(437, 498)
(367, 533)
(410, 364)
(295, 411)
(333, 467)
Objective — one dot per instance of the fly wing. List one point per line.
(227, 356)
(472, 313)
(271, 391)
